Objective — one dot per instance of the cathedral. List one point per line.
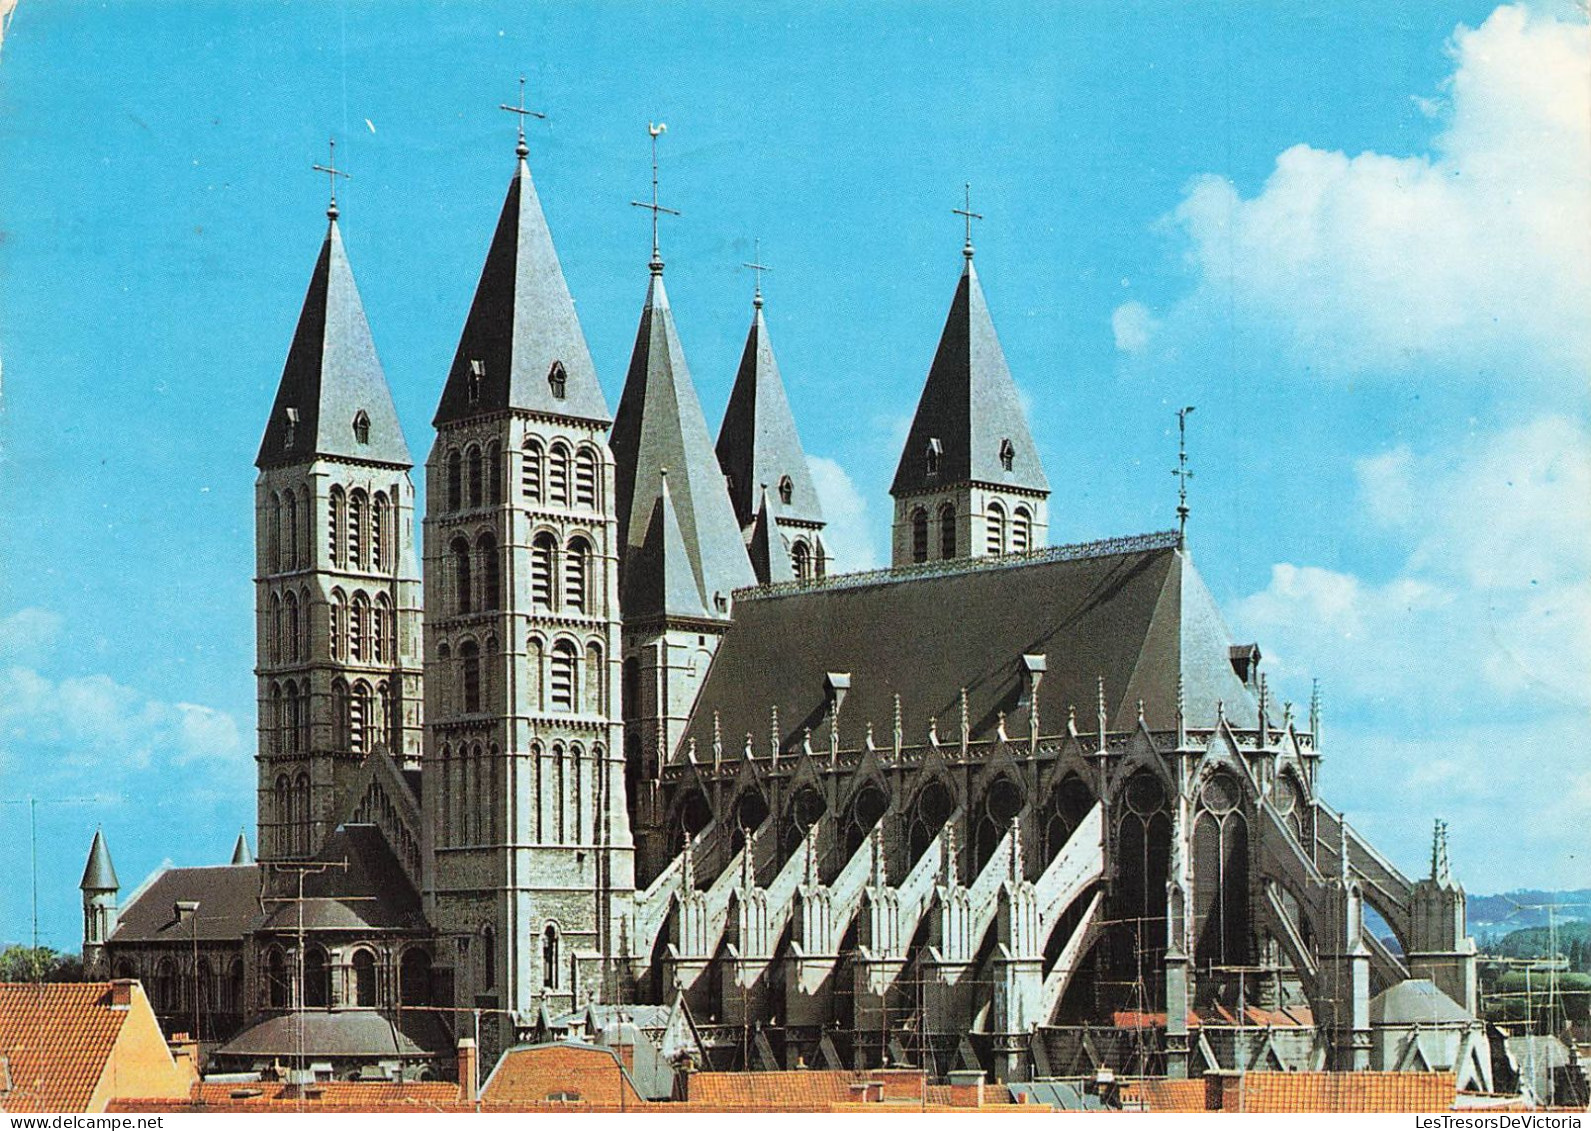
(608, 743)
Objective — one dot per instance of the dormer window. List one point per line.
(931, 457)
(477, 376)
(1007, 454)
(786, 490)
(290, 429)
(362, 427)
(558, 380)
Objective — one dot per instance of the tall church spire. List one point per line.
(969, 481)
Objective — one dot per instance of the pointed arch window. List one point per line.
(1021, 531)
(996, 529)
(301, 738)
(535, 655)
(301, 820)
(1007, 454)
(947, 530)
(470, 661)
(382, 728)
(273, 535)
(361, 427)
(531, 468)
(459, 549)
(275, 721)
(488, 958)
(291, 719)
(337, 525)
(558, 380)
(563, 676)
(801, 556)
(786, 489)
(586, 465)
(542, 549)
(576, 563)
(558, 475)
(919, 535)
(455, 480)
(381, 650)
(317, 979)
(931, 456)
(290, 639)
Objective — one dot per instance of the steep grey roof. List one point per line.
(1415, 1001)
(658, 578)
(331, 376)
(758, 444)
(319, 1034)
(760, 540)
(241, 853)
(99, 874)
(521, 324)
(660, 427)
(970, 405)
(372, 892)
(1137, 618)
(228, 898)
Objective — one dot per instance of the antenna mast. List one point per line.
(1183, 474)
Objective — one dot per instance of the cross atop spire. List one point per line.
(332, 173)
(759, 267)
(970, 216)
(1183, 474)
(655, 128)
(522, 149)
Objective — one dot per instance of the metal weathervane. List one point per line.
(655, 128)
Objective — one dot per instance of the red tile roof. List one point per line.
(1339, 1092)
(57, 1038)
(565, 1071)
(1164, 1095)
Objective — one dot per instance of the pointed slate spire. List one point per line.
(522, 346)
(660, 425)
(241, 854)
(970, 408)
(100, 873)
(760, 540)
(758, 443)
(659, 581)
(333, 399)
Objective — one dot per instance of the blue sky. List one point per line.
(1354, 235)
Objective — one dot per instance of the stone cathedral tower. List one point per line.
(337, 592)
(531, 858)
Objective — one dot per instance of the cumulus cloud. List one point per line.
(849, 533)
(1475, 255)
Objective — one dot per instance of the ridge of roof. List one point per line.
(970, 405)
(660, 427)
(758, 443)
(333, 400)
(522, 346)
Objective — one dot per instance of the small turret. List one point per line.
(99, 887)
(241, 855)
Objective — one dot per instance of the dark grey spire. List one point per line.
(522, 347)
(760, 540)
(100, 873)
(240, 850)
(660, 427)
(758, 445)
(969, 409)
(659, 581)
(333, 399)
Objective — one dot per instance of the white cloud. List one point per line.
(1133, 326)
(849, 533)
(1475, 256)
(28, 632)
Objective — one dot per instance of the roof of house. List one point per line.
(1284, 1092)
(566, 1071)
(1180, 1096)
(805, 1089)
(1415, 1001)
(228, 898)
(373, 891)
(330, 1095)
(332, 375)
(521, 325)
(343, 1033)
(1133, 613)
(56, 1038)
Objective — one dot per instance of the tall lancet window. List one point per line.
(290, 520)
(947, 530)
(996, 529)
(337, 525)
(558, 380)
(455, 481)
(802, 556)
(361, 427)
(542, 549)
(470, 658)
(531, 470)
(291, 606)
(586, 466)
(576, 561)
(558, 475)
(1021, 531)
(477, 474)
(919, 535)
(562, 678)
(358, 515)
(380, 539)
(459, 551)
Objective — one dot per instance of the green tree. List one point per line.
(20, 963)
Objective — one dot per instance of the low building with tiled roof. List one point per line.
(560, 1072)
(79, 1046)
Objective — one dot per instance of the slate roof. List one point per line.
(241, 852)
(660, 427)
(99, 874)
(658, 579)
(361, 1033)
(970, 405)
(228, 898)
(373, 892)
(56, 1038)
(332, 374)
(758, 444)
(520, 324)
(1137, 618)
(581, 1072)
(1415, 1001)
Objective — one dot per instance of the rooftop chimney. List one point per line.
(121, 993)
(469, 1084)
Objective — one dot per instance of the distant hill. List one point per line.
(1513, 910)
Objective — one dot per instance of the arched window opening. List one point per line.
(317, 979)
(1007, 454)
(586, 478)
(303, 716)
(801, 555)
(542, 548)
(339, 714)
(1144, 840)
(866, 810)
(291, 719)
(275, 721)
(1001, 803)
(947, 530)
(933, 807)
(996, 529)
(562, 679)
(364, 979)
(273, 637)
(530, 471)
(1065, 809)
(358, 516)
(359, 628)
(491, 571)
(380, 535)
(232, 995)
(919, 535)
(384, 723)
(786, 489)
(455, 481)
(804, 810)
(337, 523)
(361, 710)
(283, 812)
(273, 535)
(931, 455)
(381, 626)
(361, 427)
(558, 476)
(470, 657)
(549, 957)
(1021, 531)
(489, 958)
(535, 675)
(695, 814)
(290, 606)
(301, 639)
(477, 476)
(459, 549)
(558, 380)
(301, 818)
(414, 977)
(278, 990)
(494, 473)
(1220, 874)
(290, 517)
(575, 569)
(338, 625)
(594, 681)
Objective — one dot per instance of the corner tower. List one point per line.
(969, 482)
(531, 862)
(337, 590)
(99, 887)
